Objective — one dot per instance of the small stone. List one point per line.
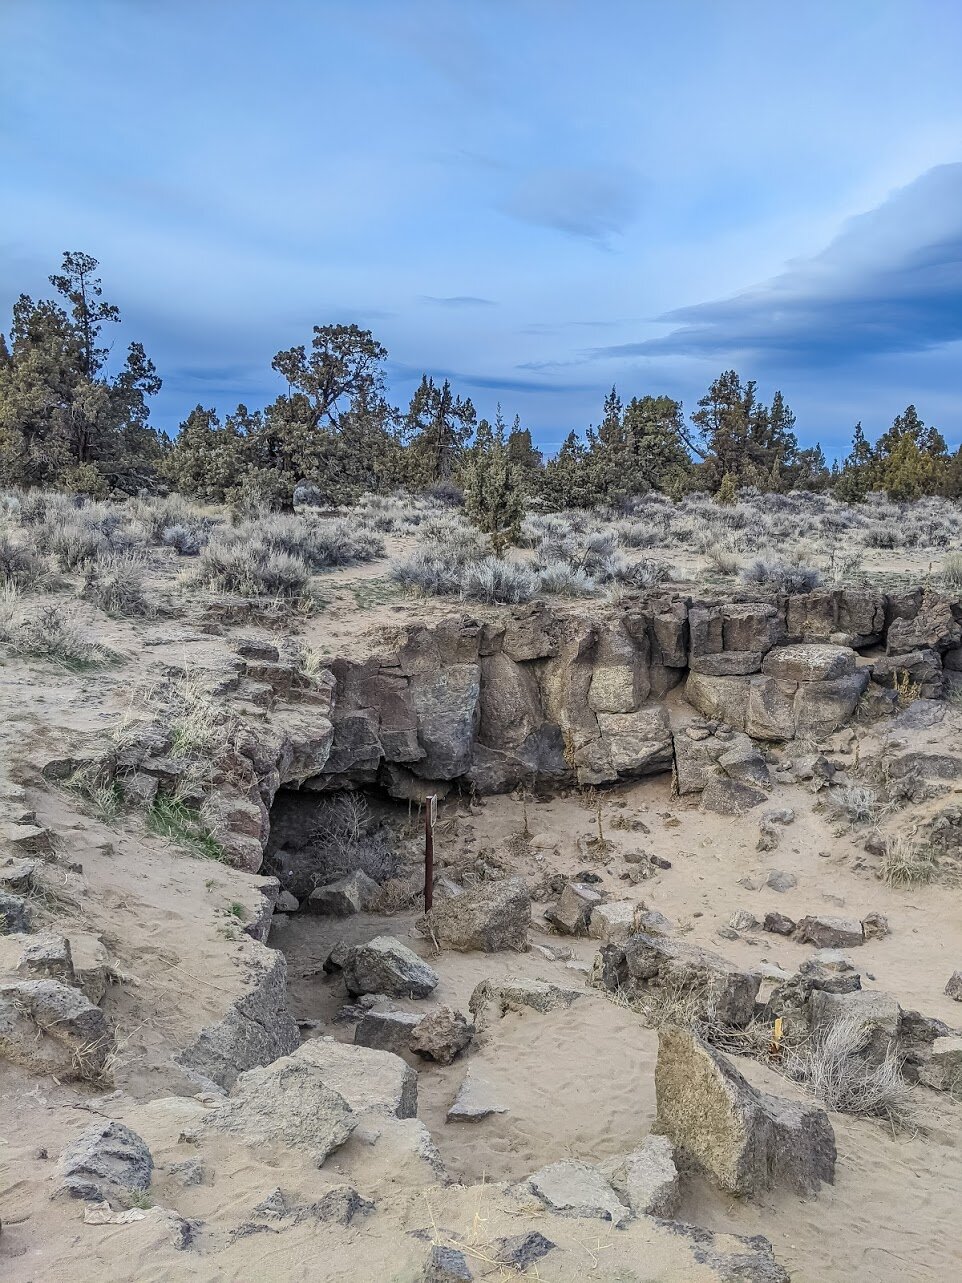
(447, 1265)
(827, 932)
(521, 1251)
(875, 926)
(287, 903)
(442, 1035)
(387, 1030)
(779, 881)
(570, 1188)
(778, 924)
(953, 986)
(743, 920)
(570, 915)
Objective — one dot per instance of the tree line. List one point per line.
(72, 418)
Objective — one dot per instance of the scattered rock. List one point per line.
(354, 893)
(385, 965)
(474, 1101)
(442, 1035)
(387, 1030)
(725, 796)
(107, 1162)
(828, 932)
(570, 1188)
(778, 924)
(515, 994)
(943, 1070)
(14, 913)
(366, 1078)
(521, 1251)
(953, 986)
(570, 915)
(490, 917)
(875, 926)
(447, 1265)
(49, 1027)
(779, 881)
(647, 1179)
(743, 920)
(746, 1140)
(46, 957)
(614, 921)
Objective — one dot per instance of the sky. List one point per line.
(534, 198)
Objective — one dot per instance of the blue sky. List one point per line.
(536, 198)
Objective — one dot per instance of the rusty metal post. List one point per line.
(430, 815)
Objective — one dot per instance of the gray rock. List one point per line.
(287, 1104)
(442, 1035)
(15, 913)
(943, 1070)
(875, 926)
(18, 875)
(368, 1080)
(809, 663)
(571, 1188)
(828, 932)
(490, 917)
(745, 765)
(511, 994)
(725, 796)
(731, 1257)
(385, 965)
(446, 1265)
(743, 920)
(107, 1162)
(49, 1027)
(287, 903)
(778, 924)
(570, 915)
(647, 1179)
(722, 991)
(778, 880)
(387, 1030)
(614, 920)
(90, 962)
(521, 1251)
(46, 957)
(354, 893)
(876, 1017)
(953, 986)
(746, 1140)
(474, 1101)
(257, 1029)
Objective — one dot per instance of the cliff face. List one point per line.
(544, 697)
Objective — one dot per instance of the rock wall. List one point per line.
(545, 697)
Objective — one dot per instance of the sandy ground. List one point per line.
(575, 1083)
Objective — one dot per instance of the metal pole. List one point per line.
(430, 815)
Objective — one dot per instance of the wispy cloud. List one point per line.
(458, 300)
(890, 282)
(593, 203)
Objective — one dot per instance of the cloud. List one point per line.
(593, 203)
(458, 300)
(890, 282)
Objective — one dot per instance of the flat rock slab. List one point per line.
(809, 663)
(366, 1078)
(475, 1100)
(503, 996)
(570, 1188)
(828, 932)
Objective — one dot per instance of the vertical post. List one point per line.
(430, 815)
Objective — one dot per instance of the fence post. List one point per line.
(430, 815)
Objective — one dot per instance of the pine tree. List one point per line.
(438, 425)
(493, 493)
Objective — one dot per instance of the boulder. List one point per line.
(490, 917)
(933, 627)
(614, 920)
(385, 965)
(778, 924)
(354, 893)
(820, 708)
(515, 994)
(570, 1188)
(697, 749)
(637, 743)
(367, 1079)
(745, 765)
(769, 713)
(18, 875)
(46, 956)
(828, 932)
(721, 991)
(918, 669)
(105, 1163)
(647, 1179)
(570, 915)
(446, 1265)
(286, 1104)
(874, 1016)
(49, 1027)
(442, 1035)
(257, 1028)
(953, 986)
(747, 1141)
(15, 913)
(387, 1030)
(809, 663)
(943, 1070)
(728, 663)
(475, 1100)
(725, 796)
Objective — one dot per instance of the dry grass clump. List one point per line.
(952, 570)
(57, 633)
(780, 576)
(835, 1068)
(251, 568)
(907, 861)
(321, 543)
(199, 726)
(20, 566)
(856, 803)
(116, 584)
(493, 581)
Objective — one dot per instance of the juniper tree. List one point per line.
(437, 427)
(494, 495)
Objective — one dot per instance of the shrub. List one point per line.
(116, 585)
(74, 542)
(187, 540)
(446, 493)
(907, 862)
(494, 581)
(952, 570)
(252, 568)
(19, 566)
(428, 571)
(843, 1078)
(320, 544)
(856, 803)
(725, 560)
(781, 576)
(57, 633)
(637, 534)
(645, 574)
(564, 580)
